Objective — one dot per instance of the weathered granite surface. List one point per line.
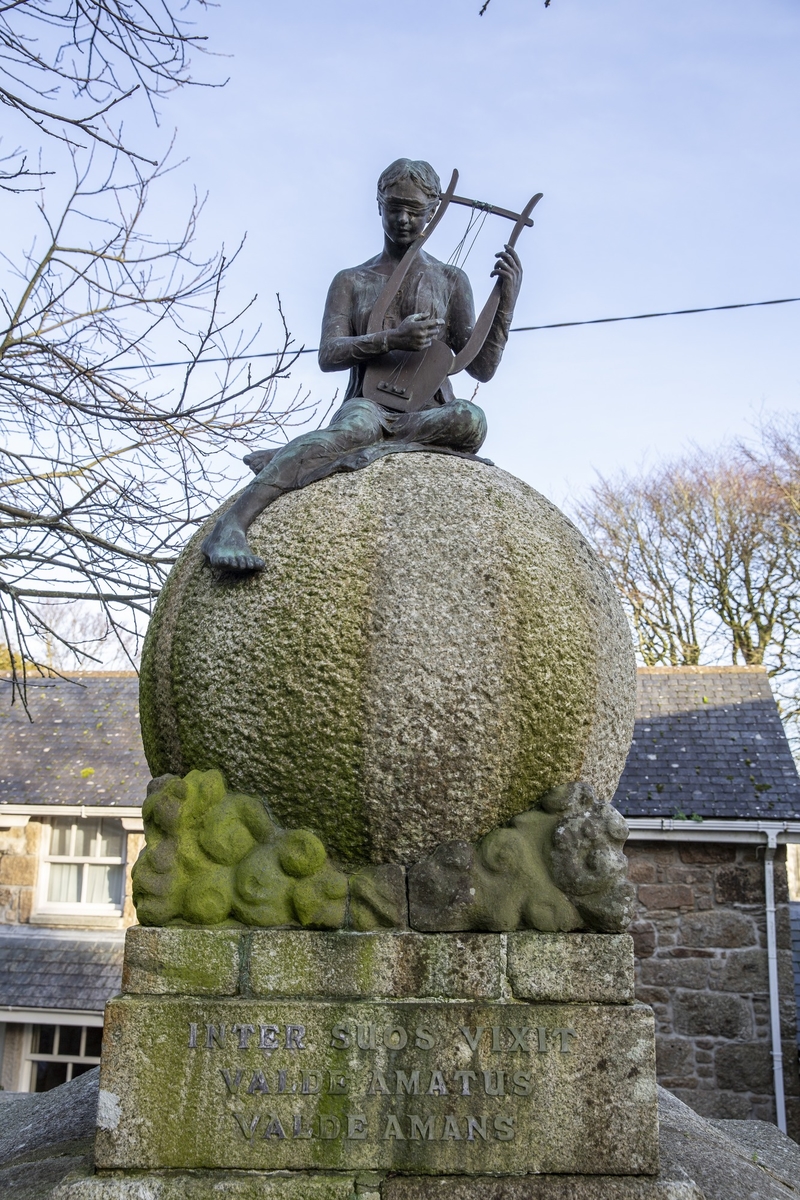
(453, 1087)
(719, 1154)
(285, 963)
(431, 647)
(219, 1185)
(725, 1165)
(45, 1138)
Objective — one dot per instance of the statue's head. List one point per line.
(414, 171)
(408, 192)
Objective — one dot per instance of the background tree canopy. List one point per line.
(705, 552)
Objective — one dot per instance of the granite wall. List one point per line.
(701, 962)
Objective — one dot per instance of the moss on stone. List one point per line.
(432, 646)
(213, 857)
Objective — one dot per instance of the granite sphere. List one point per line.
(432, 646)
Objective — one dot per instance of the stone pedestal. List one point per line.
(389, 1066)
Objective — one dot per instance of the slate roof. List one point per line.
(55, 969)
(91, 724)
(708, 742)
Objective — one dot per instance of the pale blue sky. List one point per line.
(664, 134)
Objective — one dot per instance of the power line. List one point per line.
(675, 312)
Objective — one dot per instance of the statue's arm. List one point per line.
(340, 348)
(462, 317)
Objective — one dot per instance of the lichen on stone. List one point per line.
(556, 868)
(215, 857)
(431, 647)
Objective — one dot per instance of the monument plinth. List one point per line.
(424, 1054)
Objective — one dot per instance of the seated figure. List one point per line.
(434, 302)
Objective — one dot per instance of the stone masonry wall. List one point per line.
(20, 849)
(701, 962)
(19, 867)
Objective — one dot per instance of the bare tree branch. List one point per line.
(103, 476)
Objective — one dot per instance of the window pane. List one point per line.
(85, 833)
(65, 883)
(94, 1040)
(103, 885)
(43, 1039)
(81, 1068)
(110, 844)
(47, 1075)
(60, 837)
(69, 1039)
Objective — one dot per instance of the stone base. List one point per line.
(257, 1185)
(398, 1053)
(388, 1066)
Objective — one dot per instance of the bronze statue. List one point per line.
(401, 323)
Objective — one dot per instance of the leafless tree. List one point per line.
(67, 66)
(101, 476)
(105, 465)
(706, 555)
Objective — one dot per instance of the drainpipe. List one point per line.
(774, 994)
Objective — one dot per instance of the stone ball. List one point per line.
(432, 646)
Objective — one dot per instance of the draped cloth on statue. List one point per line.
(362, 431)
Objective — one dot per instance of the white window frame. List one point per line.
(31, 1056)
(44, 905)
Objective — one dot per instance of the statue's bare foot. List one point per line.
(226, 547)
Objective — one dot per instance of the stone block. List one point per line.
(742, 1067)
(718, 928)
(210, 1185)
(706, 853)
(674, 1057)
(640, 870)
(713, 1102)
(644, 938)
(666, 895)
(595, 968)
(447, 1088)
(394, 965)
(745, 971)
(739, 885)
(714, 1014)
(564, 1187)
(18, 869)
(195, 962)
(219, 1185)
(676, 972)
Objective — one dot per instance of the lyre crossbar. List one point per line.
(491, 208)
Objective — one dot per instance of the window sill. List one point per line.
(78, 920)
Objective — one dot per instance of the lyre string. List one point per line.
(458, 258)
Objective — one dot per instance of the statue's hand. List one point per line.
(415, 332)
(508, 270)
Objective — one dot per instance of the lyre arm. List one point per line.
(392, 285)
(483, 324)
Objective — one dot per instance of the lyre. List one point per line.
(407, 380)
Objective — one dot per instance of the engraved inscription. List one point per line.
(436, 1084)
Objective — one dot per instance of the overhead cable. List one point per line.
(674, 312)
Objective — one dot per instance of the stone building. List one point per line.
(712, 796)
(71, 787)
(710, 790)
